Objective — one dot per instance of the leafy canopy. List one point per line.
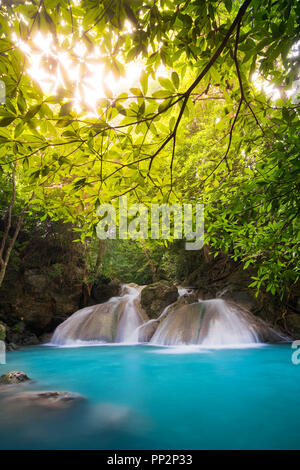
(192, 53)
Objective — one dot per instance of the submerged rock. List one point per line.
(109, 416)
(37, 409)
(155, 297)
(14, 377)
(48, 400)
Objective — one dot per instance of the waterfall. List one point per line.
(226, 325)
(130, 320)
(209, 323)
(181, 291)
(112, 321)
(143, 326)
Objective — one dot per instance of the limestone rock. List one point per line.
(213, 323)
(35, 281)
(155, 297)
(147, 331)
(95, 323)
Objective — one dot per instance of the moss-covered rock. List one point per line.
(14, 377)
(185, 299)
(155, 297)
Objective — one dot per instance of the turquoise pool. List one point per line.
(147, 397)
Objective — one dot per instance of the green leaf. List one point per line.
(166, 83)
(228, 5)
(136, 91)
(18, 130)
(175, 79)
(144, 82)
(32, 111)
(171, 123)
(6, 121)
(21, 102)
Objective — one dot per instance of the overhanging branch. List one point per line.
(187, 94)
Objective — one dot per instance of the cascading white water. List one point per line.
(130, 320)
(227, 326)
(143, 326)
(209, 323)
(113, 321)
(181, 291)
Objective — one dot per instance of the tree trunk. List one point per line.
(8, 244)
(100, 253)
(4, 260)
(208, 256)
(153, 266)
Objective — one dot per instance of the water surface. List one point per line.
(147, 397)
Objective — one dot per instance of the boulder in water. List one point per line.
(185, 299)
(45, 338)
(14, 377)
(155, 297)
(148, 329)
(48, 400)
(35, 407)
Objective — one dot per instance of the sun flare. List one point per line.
(78, 70)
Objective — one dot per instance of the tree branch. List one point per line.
(188, 92)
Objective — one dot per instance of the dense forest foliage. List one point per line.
(165, 101)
